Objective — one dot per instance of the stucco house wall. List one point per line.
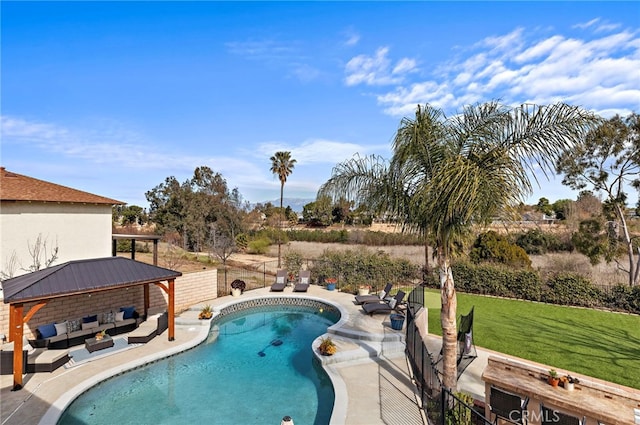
(78, 231)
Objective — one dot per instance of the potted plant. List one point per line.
(101, 335)
(237, 287)
(206, 312)
(364, 290)
(331, 283)
(568, 382)
(327, 347)
(554, 378)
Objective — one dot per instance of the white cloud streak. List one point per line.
(600, 72)
(377, 70)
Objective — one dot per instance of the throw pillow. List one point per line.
(47, 331)
(304, 280)
(393, 302)
(128, 311)
(382, 294)
(280, 279)
(74, 325)
(107, 317)
(90, 325)
(61, 328)
(120, 316)
(90, 319)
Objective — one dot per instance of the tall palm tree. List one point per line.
(282, 165)
(449, 174)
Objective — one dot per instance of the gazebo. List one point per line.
(75, 278)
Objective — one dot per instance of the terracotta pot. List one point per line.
(554, 381)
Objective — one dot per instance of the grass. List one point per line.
(595, 343)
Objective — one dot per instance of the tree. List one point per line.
(544, 206)
(318, 212)
(608, 161)
(282, 165)
(449, 174)
(191, 207)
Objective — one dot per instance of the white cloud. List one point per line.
(597, 72)
(351, 37)
(377, 70)
(316, 151)
(588, 24)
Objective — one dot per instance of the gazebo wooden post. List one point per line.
(171, 310)
(146, 299)
(16, 331)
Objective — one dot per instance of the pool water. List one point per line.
(256, 367)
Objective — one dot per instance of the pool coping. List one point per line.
(202, 327)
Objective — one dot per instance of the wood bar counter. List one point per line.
(595, 400)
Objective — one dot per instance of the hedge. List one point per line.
(563, 288)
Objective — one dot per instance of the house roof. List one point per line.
(82, 276)
(16, 187)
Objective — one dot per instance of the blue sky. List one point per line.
(114, 97)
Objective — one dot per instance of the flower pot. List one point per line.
(554, 381)
(331, 286)
(569, 386)
(236, 292)
(363, 291)
(397, 321)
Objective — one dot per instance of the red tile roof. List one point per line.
(16, 187)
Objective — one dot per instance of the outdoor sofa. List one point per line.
(74, 332)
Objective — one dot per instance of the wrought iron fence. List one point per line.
(440, 405)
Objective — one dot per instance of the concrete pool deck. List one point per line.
(370, 374)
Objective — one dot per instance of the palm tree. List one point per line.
(449, 174)
(282, 165)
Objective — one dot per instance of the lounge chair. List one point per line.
(304, 279)
(361, 299)
(383, 306)
(466, 347)
(281, 281)
(148, 329)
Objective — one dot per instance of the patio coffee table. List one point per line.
(93, 344)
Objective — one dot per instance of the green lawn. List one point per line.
(591, 342)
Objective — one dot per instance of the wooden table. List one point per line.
(612, 405)
(93, 344)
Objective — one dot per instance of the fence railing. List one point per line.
(440, 405)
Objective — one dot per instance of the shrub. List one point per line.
(293, 261)
(623, 297)
(571, 289)
(258, 246)
(537, 242)
(492, 247)
(361, 266)
(124, 245)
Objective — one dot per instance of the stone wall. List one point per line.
(190, 289)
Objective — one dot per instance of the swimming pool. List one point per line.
(257, 366)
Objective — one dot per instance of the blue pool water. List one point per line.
(256, 369)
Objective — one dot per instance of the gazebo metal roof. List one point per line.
(82, 276)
